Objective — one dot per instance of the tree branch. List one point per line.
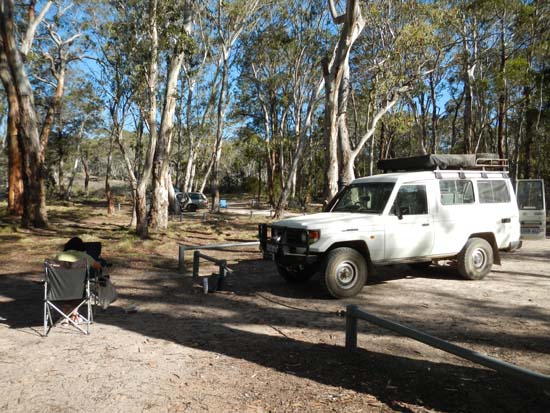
(33, 25)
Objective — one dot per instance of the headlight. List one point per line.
(314, 236)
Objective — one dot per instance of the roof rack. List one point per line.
(446, 161)
(492, 163)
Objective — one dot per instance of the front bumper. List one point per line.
(286, 246)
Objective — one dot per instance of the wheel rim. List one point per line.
(479, 258)
(346, 274)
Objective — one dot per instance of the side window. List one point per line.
(456, 192)
(411, 200)
(493, 192)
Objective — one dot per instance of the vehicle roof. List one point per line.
(430, 175)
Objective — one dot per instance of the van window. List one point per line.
(493, 192)
(456, 192)
(411, 200)
(530, 195)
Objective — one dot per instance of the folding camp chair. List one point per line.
(66, 281)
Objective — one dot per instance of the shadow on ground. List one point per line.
(391, 378)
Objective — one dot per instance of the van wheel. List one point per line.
(476, 259)
(345, 272)
(294, 275)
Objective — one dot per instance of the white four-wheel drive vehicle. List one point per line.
(438, 207)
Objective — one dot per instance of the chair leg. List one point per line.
(48, 319)
(45, 318)
(90, 311)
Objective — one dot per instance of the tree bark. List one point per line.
(215, 190)
(84, 159)
(15, 158)
(503, 92)
(34, 211)
(161, 163)
(108, 191)
(141, 190)
(333, 72)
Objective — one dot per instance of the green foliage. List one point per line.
(423, 46)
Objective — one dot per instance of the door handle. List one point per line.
(505, 220)
(426, 225)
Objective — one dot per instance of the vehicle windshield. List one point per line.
(368, 197)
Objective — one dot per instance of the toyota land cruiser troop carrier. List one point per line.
(429, 208)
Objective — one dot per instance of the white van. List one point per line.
(465, 215)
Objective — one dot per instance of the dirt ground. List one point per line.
(263, 345)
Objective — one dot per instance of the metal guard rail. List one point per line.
(183, 248)
(353, 313)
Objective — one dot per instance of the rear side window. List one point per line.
(493, 192)
(456, 192)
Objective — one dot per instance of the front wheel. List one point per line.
(345, 272)
(296, 275)
(476, 259)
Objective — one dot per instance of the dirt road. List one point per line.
(266, 346)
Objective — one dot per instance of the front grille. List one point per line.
(294, 236)
(284, 236)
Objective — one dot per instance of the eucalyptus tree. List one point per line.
(264, 95)
(85, 117)
(23, 135)
(146, 52)
(431, 42)
(228, 21)
(197, 100)
(529, 93)
(403, 49)
(177, 21)
(389, 57)
(15, 156)
(336, 75)
(128, 54)
(472, 23)
(60, 38)
(280, 87)
(78, 118)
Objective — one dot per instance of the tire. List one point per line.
(476, 259)
(345, 272)
(295, 275)
(191, 207)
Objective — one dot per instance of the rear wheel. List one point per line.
(191, 207)
(297, 275)
(476, 259)
(345, 272)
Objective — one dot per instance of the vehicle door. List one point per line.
(409, 225)
(184, 201)
(497, 206)
(457, 216)
(532, 208)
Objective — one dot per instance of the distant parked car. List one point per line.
(191, 201)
